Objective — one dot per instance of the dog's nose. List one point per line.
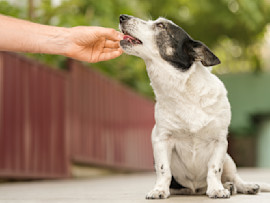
(123, 18)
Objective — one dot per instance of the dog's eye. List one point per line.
(160, 25)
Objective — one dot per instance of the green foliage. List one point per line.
(225, 26)
(231, 28)
(7, 9)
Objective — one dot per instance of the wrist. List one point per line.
(54, 40)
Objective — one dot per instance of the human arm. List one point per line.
(91, 44)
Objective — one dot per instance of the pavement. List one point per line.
(120, 188)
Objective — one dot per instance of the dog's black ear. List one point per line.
(200, 52)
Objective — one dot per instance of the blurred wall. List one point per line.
(50, 119)
(263, 148)
(249, 95)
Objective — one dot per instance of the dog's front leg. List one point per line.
(162, 154)
(215, 188)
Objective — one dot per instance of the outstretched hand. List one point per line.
(84, 43)
(93, 44)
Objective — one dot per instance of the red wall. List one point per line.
(50, 119)
(111, 124)
(32, 119)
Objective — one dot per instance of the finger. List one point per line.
(110, 55)
(108, 50)
(111, 44)
(110, 33)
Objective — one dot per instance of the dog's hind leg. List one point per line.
(230, 175)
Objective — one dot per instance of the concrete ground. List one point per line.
(115, 189)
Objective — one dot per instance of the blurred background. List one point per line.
(55, 112)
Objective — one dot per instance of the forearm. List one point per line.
(23, 36)
(85, 43)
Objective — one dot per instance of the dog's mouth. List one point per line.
(130, 39)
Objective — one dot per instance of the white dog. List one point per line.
(192, 112)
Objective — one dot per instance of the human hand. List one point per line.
(93, 44)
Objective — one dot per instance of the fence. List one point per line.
(51, 118)
(111, 124)
(32, 119)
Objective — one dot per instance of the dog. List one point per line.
(192, 112)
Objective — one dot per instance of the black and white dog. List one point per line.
(192, 112)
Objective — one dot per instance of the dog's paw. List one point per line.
(158, 194)
(231, 187)
(250, 189)
(222, 193)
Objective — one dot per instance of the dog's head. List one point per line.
(149, 39)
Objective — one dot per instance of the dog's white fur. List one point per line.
(192, 116)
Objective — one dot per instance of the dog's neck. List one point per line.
(187, 95)
(167, 80)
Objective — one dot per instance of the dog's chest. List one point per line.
(190, 156)
(181, 116)
(188, 101)
(192, 147)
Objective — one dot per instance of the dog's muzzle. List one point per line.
(128, 38)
